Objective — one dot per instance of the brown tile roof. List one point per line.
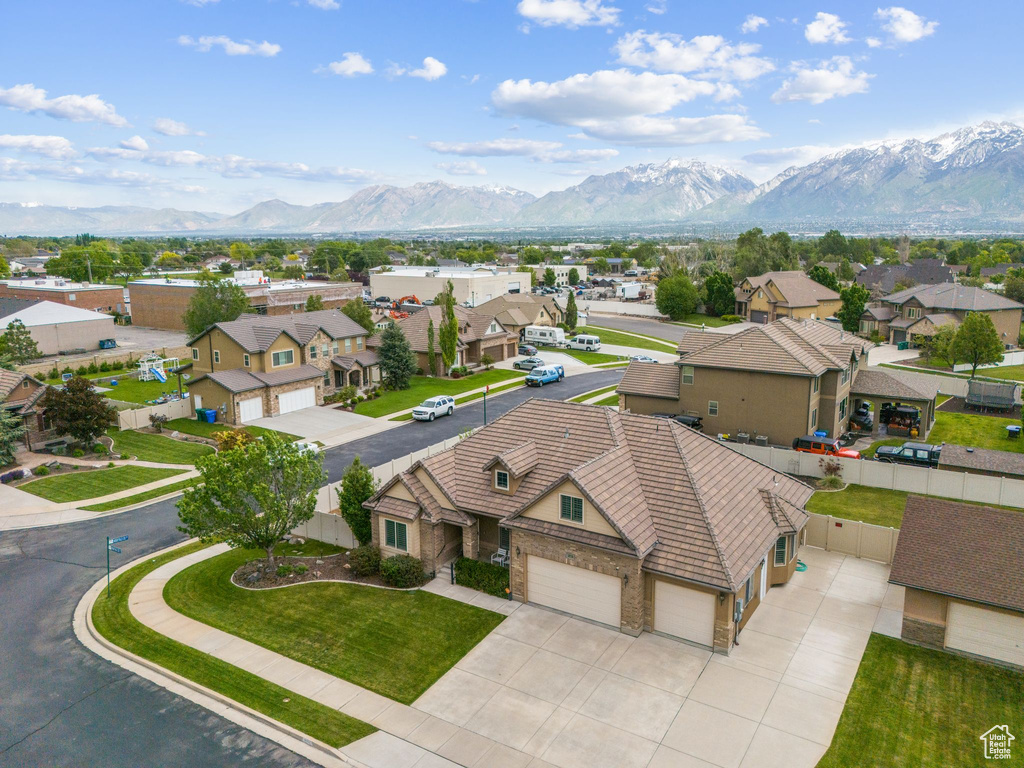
(874, 381)
(650, 380)
(243, 380)
(961, 550)
(693, 505)
(797, 289)
(518, 308)
(9, 380)
(255, 333)
(571, 534)
(953, 296)
(960, 457)
(472, 327)
(366, 358)
(395, 507)
(518, 460)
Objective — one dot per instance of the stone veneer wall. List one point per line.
(923, 632)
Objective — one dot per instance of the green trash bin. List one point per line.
(903, 345)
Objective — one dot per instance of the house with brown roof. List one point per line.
(260, 365)
(981, 461)
(921, 311)
(634, 522)
(480, 333)
(961, 565)
(20, 394)
(773, 295)
(516, 311)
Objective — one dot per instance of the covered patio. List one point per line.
(878, 388)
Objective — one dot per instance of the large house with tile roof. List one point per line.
(516, 311)
(791, 293)
(924, 309)
(630, 521)
(260, 365)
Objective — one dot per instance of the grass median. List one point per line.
(621, 339)
(113, 619)
(92, 484)
(424, 387)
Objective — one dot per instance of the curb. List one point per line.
(260, 724)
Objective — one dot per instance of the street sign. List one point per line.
(119, 539)
(111, 548)
(115, 549)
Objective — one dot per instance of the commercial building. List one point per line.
(624, 520)
(471, 285)
(94, 296)
(58, 329)
(561, 272)
(161, 302)
(774, 295)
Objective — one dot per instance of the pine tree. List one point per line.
(571, 314)
(397, 360)
(431, 350)
(12, 429)
(18, 344)
(357, 485)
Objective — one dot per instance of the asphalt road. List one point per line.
(654, 328)
(61, 705)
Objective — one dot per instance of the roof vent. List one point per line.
(566, 435)
(970, 450)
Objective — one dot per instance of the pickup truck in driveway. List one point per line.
(915, 454)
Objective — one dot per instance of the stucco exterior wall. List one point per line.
(547, 508)
(52, 339)
(482, 286)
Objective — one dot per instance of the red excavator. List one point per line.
(405, 300)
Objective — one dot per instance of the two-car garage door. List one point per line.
(985, 632)
(578, 591)
(295, 400)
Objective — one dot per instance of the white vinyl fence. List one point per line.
(1009, 358)
(137, 418)
(851, 537)
(985, 489)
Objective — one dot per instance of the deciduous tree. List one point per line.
(78, 410)
(821, 275)
(721, 298)
(574, 276)
(315, 303)
(676, 296)
(977, 342)
(571, 313)
(17, 343)
(358, 311)
(449, 332)
(357, 485)
(215, 301)
(549, 277)
(854, 298)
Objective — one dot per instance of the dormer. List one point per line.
(509, 467)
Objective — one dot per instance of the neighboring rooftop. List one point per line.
(797, 288)
(440, 273)
(46, 313)
(255, 333)
(961, 550)
(884, 277)
(250, 280)
(518, 308)
(953, 296)
(650, 380)
(875, 381)
(961, 457)
(243, 380)
(57, 284)
(473, 326)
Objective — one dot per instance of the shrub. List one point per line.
(360, 399)
(732, 318)
(67, 369)
(93, 368)
(232, 438)
(54, 373)
(284, 570)
(117, 366)
(41, 471)
(402, 571)
(110, 464)
(82, 371)
(99, 448)
(830, 467)
(365, 560)
(104, 366)
(484, 577)
(301, 569)
(157, 420)
(486, 361)
(7, 477)
(78, 453)
(831, 483)
(352, 403)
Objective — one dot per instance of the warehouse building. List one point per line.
(58, 329)
(471, 285)
(94, 296)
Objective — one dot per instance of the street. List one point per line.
(60, 705)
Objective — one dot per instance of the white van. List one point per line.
(544, 336)
(590, 343)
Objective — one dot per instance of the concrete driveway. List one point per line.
(559, 691)
(322, 423)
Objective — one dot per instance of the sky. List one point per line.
(215, 105)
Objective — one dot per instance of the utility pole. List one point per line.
(88, 266)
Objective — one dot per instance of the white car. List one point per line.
(306, 447)
(430, 409)
(643, 359)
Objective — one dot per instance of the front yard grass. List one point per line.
(148, 447)
(395, 643)
(974, 431)
(610, 336)
(610, 400)
(91, 484)
(1011, 372)
(589, 358)
(138, 498)
(588, 395)
(115, 622)
(912, 706)
(423, 387)
(708, 320)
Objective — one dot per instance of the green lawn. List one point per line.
(590, 358)
(912, 706)
(1012, 372)
(595, 393)
(394, 643)
(974, 431)
(135, 391)
(610, 336)
(708, 320)
(205, 429)
(308, 548)
(115, 622)
(91, 484)
(148, 447)
(424, 387)
(138, 498)
(612, 400)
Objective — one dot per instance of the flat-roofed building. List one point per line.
(471, 285)
(94, 296)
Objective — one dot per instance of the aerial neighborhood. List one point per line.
(650, 397)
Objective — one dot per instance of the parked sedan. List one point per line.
(544, 374)
(430, 409)
(527, 349)
(528, 364)
(916, 454)
(642, 359)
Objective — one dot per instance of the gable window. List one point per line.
(395, 535)
(760, 294)
(570, 508)
(359, 343)
(195, 353)
(323, 350)
(501, 480)
(216, 355)
(284, 357)
(245, 360)
(712, 407)
(687, 374)
(24, 384)
(845, 376)
(348, 346)
(334, 348)
(780, 551)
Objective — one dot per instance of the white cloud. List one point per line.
(826, 28)
(706, 55)
(462, 168)
(231, 47)
(905, 26)
(432, 69)
(647, 131)
(350, 65)
(16, 170)
(199, 3)
(136, 143)
(831, 78)
(77, 109)
(873, 42)
(169, 127)
(578, 155)
(569, 13)
(658, 7)
(753, 23)
(325, 5)
(494, 147)
(56, 147)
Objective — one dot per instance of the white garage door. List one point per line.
(250, 410)
(986, 632)
(684, 612)
(574, 590)
(293, 401)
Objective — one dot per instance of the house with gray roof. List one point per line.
(625, 520)
(924, 309)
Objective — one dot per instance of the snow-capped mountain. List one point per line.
(649, 193)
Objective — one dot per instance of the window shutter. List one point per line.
(400, 538)
(577, 510)
(389, 533)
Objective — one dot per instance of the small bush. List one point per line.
(831, 483)
(402, 571)
(118, 366)
(54, 373)
(67, 369)
(99, 448)
(157, 421)
(104, 366)
(360, 399)
(352, 402)
(93, 368)
(365, 560)
(301, 569)
(486, 361)
(484, 577)
(78, 453)
(110, 464)
(41, 471)
(732, 318)
(82, 371)
(830, 467)
(284, 570)
(232, 438)
(7, 477)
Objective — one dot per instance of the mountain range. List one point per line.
(971, 178)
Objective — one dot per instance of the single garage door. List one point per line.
(985, 632)
(293, 401)
(496, 352)
(250, 410)
(589, 594)
(685, 613)
(758, 317)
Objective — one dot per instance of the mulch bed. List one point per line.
(257, 575)
(959, 405)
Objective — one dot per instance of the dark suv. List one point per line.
(916, 454)
(693, 422)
